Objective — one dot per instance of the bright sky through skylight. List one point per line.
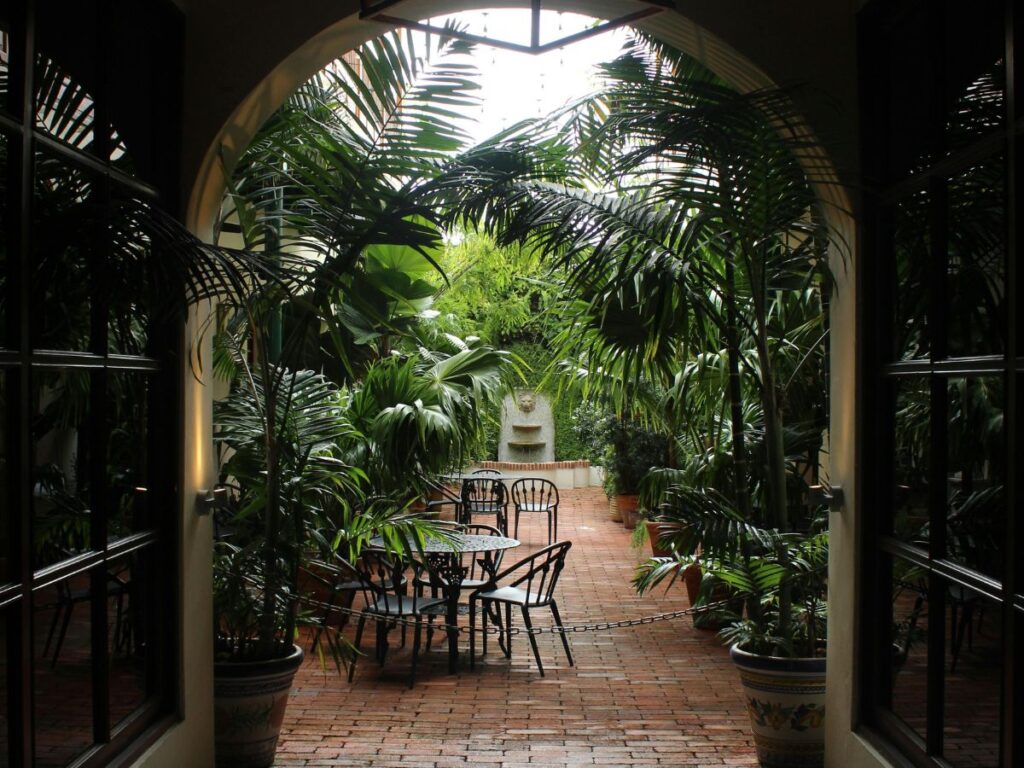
(515, 86)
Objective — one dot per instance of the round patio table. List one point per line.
(442, 561)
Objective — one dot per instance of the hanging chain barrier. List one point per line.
(497, 630)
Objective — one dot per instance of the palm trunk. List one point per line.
(739, 452)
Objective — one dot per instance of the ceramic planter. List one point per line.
(655, 530)
(786, 702)
(627, 504)
(249, 704)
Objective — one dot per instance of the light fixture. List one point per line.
(384, 11)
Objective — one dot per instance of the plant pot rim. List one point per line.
(779, 663)
(228, 668)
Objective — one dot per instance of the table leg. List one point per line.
(450, 573)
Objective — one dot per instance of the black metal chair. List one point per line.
(536, 495)
(118, 587)
(530, 583)
(480, 572)
(493, 473)
(485, 496)
(382, 581)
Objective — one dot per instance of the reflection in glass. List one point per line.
(63, 108)
(909, 645)
(5, 67)
(5, 738)
(911, 461)
(974, 678)
(127, 282)
(6, 231)
(65, 237)
(61, 496)
(62, 672)
(975, 74)
(976, 507)
(127, 457)
(977, 246)
(911, 253)
(908, 64)
(131, 647)
(5, 511)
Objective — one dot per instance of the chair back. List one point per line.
(486, 473)
(382, 580)
(478, 568)
(534, 492)
(484, 496)
(538, 574)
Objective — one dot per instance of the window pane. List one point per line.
(132, 645)
(5, 70)
(65, 236)
(912, 460)
(974, 677)
(5, 739)
(911, 251)
(66, 61)
(909, 70)
(61, 500)
(977, 246)
(127, 278)
(975, 74)
(5, 509)
(6, 232)
(976, 507)
(63, 672)
(910, 645)
(128, 459)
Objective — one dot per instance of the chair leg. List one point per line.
(415, 649)
(565, 638)
(508, 630)
(472, 633)
(533, 638)
(359, 637)
(483, 626)
(516, 534)
(554, 517)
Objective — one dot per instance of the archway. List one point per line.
(671, 27)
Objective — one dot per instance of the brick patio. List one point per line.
(657, 694)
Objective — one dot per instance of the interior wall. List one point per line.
(243, 59)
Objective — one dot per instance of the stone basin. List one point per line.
(527, 444)
(527, 427)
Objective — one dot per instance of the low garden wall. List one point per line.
(564, 474)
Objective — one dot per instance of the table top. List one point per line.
(461, 542)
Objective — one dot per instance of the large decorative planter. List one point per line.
(655, 530)
(249, 703)
(627, 504)
(786, 702)
(613, 509)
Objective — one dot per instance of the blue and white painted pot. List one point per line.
(249, 704)
(786, 702)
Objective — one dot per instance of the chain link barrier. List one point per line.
(575, 628)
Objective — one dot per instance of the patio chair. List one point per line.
(485, 496)
(382, 581)
(486, 473)
(536, 495)
(118, 588)
(530, 583)
(479, 571)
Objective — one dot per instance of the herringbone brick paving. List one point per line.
(658, 694)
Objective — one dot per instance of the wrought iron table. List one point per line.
(443, 563)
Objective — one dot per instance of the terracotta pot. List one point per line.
(655, 530)
(786, 703)
(691, 579)
(249, 703)
(628, 510)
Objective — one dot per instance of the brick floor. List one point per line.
(657, 694)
